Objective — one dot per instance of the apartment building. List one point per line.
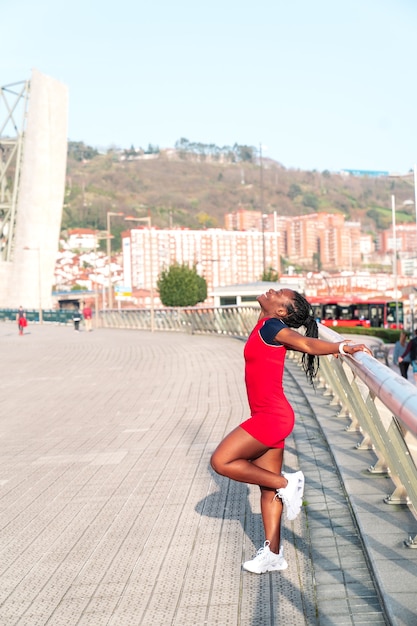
(243, 220)
(222, 257)
(405, 245)
(228, 257)
(406, 239)
(323, 240)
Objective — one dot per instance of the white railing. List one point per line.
(381, 405)
(231, 320)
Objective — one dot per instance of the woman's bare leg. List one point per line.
(233, 458)
(271, 506)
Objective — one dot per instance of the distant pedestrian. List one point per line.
(21, 320)
(411, 350)
(399, 349)
(76, 318)
(88, 317)
(254, 451)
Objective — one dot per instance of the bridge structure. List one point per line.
(33, 156)
(111, 515)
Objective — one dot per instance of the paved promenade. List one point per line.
(111, 515)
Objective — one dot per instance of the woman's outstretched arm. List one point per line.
(319, 347)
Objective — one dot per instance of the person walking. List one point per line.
(21, 320)
(253, 452)
(88, 317)
(399, 348)
(411, 351)
(76, 318)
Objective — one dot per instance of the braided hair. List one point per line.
(299, 313)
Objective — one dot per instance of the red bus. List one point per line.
(354, 311)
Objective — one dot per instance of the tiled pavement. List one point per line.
(110, 514)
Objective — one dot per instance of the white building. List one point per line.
(221, 257)
(82, 239)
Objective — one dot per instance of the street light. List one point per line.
(109, 215)
(261, 184)
(147, 220)
(38, 250)
(100, 235)
(394, 255)
(405, 176)
(264, 216)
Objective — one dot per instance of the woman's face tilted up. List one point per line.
(274, 303)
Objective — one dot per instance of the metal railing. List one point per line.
(231, 320)
(381, 405)
(53, 316)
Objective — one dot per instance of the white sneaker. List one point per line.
(266, 561)
(292, 494)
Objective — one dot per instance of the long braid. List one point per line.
(299, 314)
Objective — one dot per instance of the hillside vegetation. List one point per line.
(195, 188)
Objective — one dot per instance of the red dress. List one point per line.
(272, 416)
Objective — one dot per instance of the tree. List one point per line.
(152, 149)
(78, 287)
(270, 275)
(311, 201)
(180, 285)
(294, 191)
(205, 220)
(244, 153)
(80, 151)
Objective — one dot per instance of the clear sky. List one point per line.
(320, 84)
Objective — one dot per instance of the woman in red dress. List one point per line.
(253, 452)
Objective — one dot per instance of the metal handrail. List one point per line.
(230, 320)
(394, 391)
(382, 406)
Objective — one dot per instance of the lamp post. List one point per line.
(109, 215)
(394, 253)
(38, 250)
(408, 202)
(278, 240)
(394, 256)
(264, 216)
(261, 184)
(99, 236)
(148, 221)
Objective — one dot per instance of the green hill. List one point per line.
(195, 189)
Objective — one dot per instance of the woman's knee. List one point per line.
(216, 463)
